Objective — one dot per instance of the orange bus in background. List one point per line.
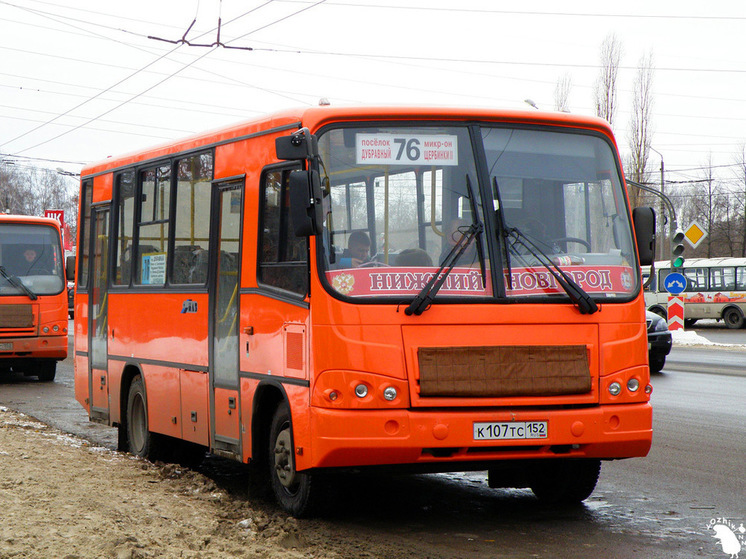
(358, 287)
(33, 296)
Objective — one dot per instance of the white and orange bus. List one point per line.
(433, 289)
(33, 296)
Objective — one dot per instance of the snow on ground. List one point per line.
(690, 337)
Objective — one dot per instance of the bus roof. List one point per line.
(28, 219)
(314, 117)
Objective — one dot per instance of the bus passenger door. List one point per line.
(98, 386)
(224, 319)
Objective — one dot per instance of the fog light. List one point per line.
(615, 388)
(45, 329)
(333, 395)
(389, 393)
(633, 385)
(648, 389)
(361, 391)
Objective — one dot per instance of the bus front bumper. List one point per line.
(39, 347)
(352, 438)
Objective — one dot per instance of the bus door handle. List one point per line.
(103, 380)
(231, 403)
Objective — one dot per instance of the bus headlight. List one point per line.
(389, 393)
(633, 385)
(615, 389)
(361, 390)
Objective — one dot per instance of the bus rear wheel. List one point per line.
(733, 318)
(294, 491)
(566, 482)
(140, 441)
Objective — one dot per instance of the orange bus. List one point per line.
(33, 296)
(330, 288)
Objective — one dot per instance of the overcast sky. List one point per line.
(80, 80)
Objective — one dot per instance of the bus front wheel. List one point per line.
(46, 370)
(733, 318)
(566, 481)
(294, 491)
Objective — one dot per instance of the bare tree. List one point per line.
(562, 93)
(640, 126)
(740, 198)
(605, 88)
(707, 206)
(32, 190)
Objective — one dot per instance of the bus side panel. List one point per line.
(162, 388)
(195, 413)
(80, 350)
(165, 326)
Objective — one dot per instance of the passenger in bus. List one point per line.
(357, 251)
(34, 264)
(413, 257)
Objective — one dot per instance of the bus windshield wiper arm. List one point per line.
(476, 222)
(18, 284)
(425, 297)
(584, 302)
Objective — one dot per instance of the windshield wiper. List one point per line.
(18, 284)
(427, 294)
(584, 302)
(425, 297)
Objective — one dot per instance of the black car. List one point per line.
(659, 341)
(70, 298)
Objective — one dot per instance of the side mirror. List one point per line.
(305, 202)
(70, 268)
(644, 221)
(298, 146)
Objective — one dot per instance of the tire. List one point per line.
(689, 322)
(294, 491)
(566, 481)
(656, 364)
(733, 318)
(46, 370)
(140, 441)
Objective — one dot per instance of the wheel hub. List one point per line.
(284, 465)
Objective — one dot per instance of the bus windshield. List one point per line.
(31, 258)
(398, 199)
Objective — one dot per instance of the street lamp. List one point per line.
(663, 193)
(531, 103)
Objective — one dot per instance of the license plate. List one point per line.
(510, 430)
(6, 346)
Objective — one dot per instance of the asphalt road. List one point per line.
(652, 507)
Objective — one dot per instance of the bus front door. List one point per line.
(224, 319)
(98, 386)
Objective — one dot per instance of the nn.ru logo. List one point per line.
(732, 539)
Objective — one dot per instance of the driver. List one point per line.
(357, 251)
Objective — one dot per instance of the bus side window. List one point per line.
(282, 257)
(741, 278)
(192, 219)
(123, 233)
(155, 214)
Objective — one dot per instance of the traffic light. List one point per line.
(677, 249)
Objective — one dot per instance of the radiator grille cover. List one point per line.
(16, 316)
(501, 371)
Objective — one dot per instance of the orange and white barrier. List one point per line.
(675, 313)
